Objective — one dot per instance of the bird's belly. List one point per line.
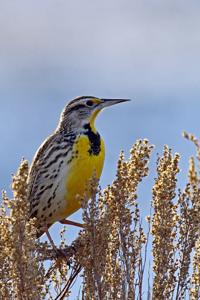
(81, 169)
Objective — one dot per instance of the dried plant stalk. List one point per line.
(195, 279)
(113, 238)
(164, 226)
(111, 249)
(21, 276)
(193, 211)
(188, 232)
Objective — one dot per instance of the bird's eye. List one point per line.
(89, 103)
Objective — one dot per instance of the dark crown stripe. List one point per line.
(74, 108)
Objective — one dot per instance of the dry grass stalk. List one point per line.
(188, 229)
(194, 212)
(21, 276)
(195, 280)
(113, 238)
(164, 225)
(111, 247)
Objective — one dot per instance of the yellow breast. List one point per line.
(82, 167)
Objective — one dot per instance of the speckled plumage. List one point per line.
(66, 161)
(45, 176)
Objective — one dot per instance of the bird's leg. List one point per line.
(45, 229)
(68, 222)
(59, 252)
(51, 240)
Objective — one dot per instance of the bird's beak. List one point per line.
(109, 102)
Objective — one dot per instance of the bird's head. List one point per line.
(83, 110)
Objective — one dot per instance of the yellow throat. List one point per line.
(89, 154)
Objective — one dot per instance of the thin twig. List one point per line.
(66, 289)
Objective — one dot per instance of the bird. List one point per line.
(65, 162)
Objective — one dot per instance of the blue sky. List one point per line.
(52, 51)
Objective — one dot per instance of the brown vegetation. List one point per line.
(111, 252)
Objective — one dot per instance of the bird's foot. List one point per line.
(59, 252)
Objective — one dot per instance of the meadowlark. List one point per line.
(65, 162)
